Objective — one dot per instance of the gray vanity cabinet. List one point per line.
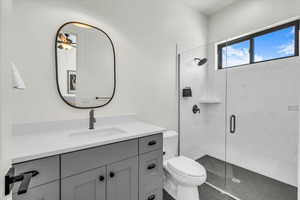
(45, 185)
(128, 170)
(48, 191)
(150, 176)
(117, 181)
(115, 164)
(84, 160)
(89, 185)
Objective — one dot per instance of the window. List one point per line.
(236, 54)
(275, 43)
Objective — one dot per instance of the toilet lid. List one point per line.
(185, 166)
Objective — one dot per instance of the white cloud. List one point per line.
(237, 52)
(286, 49)
(233, 56)
(258, 58)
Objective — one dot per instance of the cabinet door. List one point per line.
(89, 185)
(48, 191)
(122, 183)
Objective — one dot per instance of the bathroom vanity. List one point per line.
(115, 166)
(117, 158)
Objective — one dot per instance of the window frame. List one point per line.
(251, 38)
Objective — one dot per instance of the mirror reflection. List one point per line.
(85, 62)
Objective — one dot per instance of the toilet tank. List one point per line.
(170, 144)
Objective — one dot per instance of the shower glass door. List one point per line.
(246, 134)
(202, 135)
(262, 130)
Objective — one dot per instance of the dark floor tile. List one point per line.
(245, 184)
(216, 171)
(166, 196)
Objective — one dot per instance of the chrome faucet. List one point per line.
(92, 119)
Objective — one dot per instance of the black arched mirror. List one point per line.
(85, 65)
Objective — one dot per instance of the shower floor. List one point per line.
(245, 184)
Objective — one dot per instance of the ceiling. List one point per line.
(208, 7)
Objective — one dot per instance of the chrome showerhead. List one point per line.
(200, 61)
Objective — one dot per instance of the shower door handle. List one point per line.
(232, 124)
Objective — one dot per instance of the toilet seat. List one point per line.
(186, 167)
(182, 176)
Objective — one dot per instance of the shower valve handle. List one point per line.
(196, 109)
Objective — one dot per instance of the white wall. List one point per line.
(5, 88)
(144, 33)
(192, 130)
(249, 16)
(204, 133)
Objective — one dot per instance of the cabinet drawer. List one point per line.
(80, 161)
(151, 172)
(150, 143)
(48, 169)
(49, 191)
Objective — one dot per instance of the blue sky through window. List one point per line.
(236, 54)
(277, 44)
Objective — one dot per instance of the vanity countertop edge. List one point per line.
(40, 145)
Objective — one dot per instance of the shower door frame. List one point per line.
(236, 79)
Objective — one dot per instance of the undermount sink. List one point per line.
(98, 132)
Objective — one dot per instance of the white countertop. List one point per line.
(34, 141)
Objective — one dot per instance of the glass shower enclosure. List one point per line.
(246, 134)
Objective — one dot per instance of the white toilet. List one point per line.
(182, 175)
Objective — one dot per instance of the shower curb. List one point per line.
(222, 191)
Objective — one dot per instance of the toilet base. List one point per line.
(187, 193)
